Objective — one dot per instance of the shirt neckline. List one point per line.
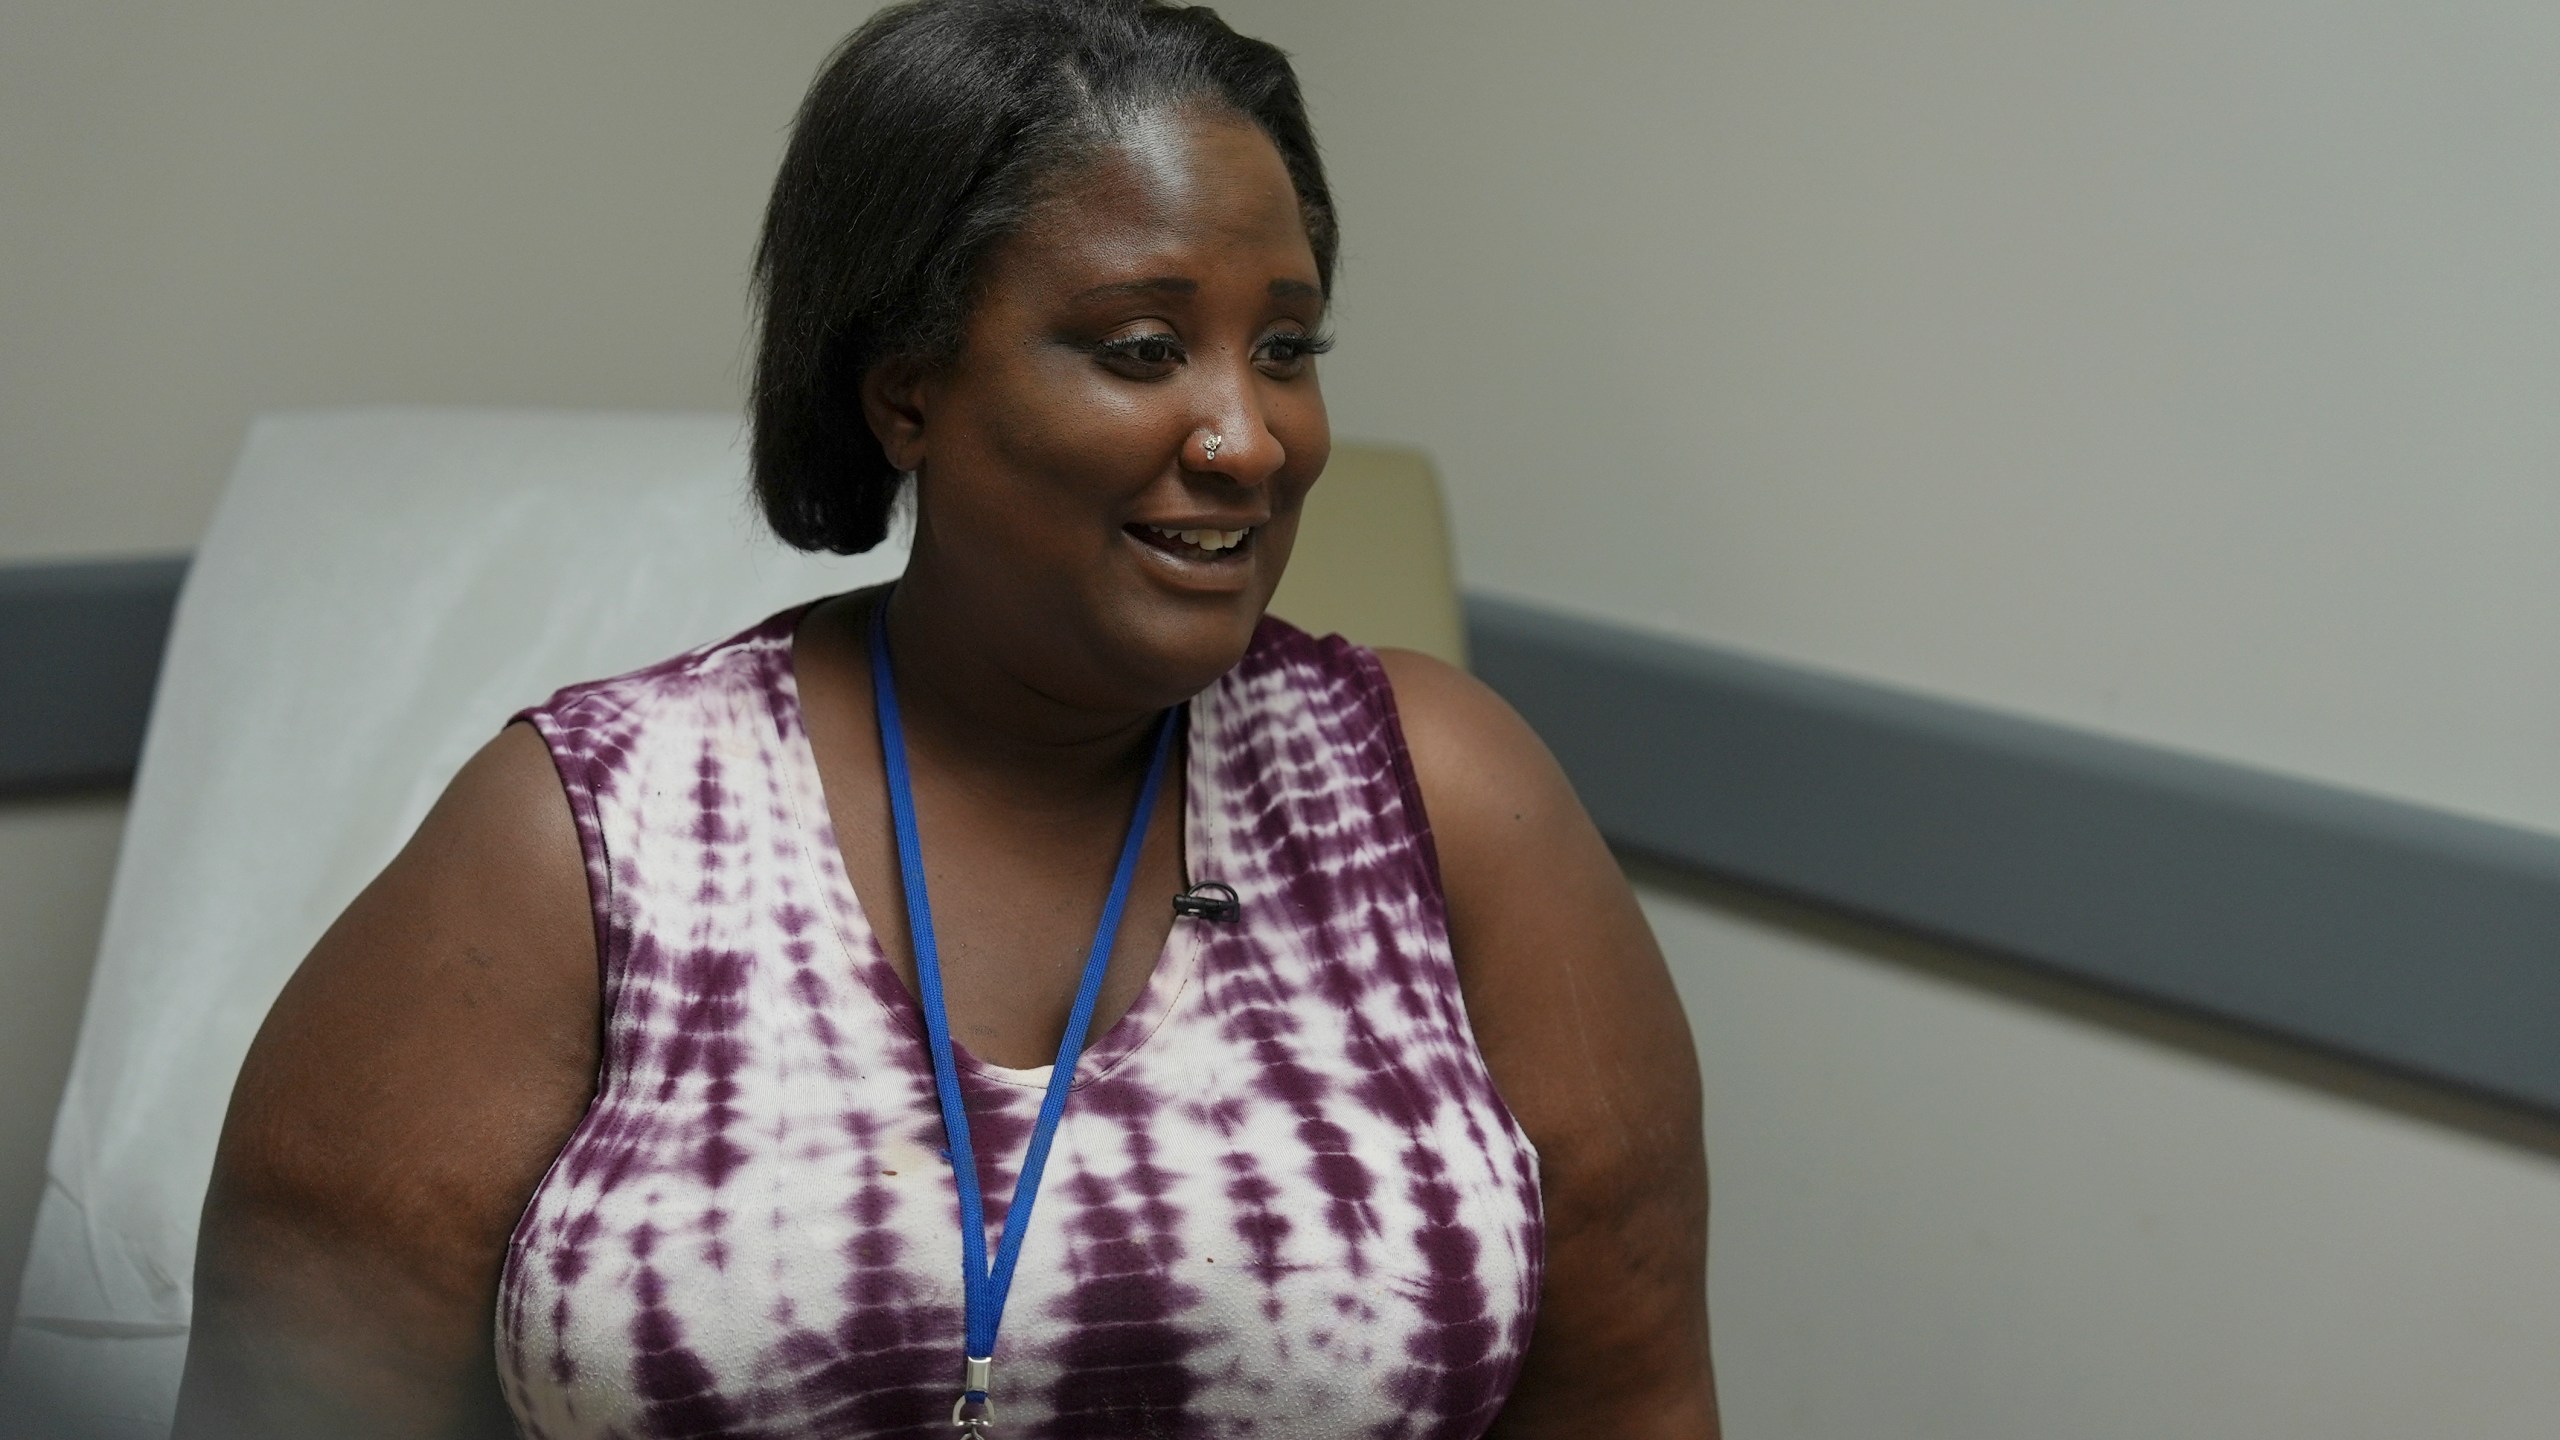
(858, 943)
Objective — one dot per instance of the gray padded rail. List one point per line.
(79, 653)
(2391, 932)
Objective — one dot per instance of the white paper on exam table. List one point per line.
(380, 589)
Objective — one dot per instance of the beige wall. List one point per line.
(2181, 370)
(219, 209)
(2177, 369)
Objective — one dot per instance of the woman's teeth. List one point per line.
(1212, 540)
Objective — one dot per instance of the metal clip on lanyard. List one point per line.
(984, 1286)
(973, 1412)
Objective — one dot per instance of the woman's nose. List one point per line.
(1232, 434)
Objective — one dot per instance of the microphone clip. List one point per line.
(1209, 900)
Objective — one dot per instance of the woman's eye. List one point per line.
(1142, 355)
(1288, 352)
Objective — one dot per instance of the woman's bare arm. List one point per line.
(397, 1109)
(1583, 1031)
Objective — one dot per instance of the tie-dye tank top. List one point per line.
(1285, 1200)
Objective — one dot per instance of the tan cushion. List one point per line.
(1373, 557)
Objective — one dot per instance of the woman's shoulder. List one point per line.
(1467, 750)
(756, 660)
(1323, 674)
(1502, 813)
(1476, 760)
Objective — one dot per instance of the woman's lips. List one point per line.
(1196, 546)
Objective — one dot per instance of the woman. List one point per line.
(672, 1060)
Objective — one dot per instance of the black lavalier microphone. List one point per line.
(1209, 900)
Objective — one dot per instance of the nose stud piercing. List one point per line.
(1209, 447)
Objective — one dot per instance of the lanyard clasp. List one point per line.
(973, 1413)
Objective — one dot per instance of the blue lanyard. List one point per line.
(984, 1287)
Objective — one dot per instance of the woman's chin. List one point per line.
(1179, 655)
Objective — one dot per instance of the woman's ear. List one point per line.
(893, 402)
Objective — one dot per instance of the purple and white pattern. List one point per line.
(1285, 1200)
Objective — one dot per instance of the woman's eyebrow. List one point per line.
(1157, 285)
(1282, 289)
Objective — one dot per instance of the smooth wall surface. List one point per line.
(220, 209)
(2179, 369)
(2176, 369)
(1954, 1204)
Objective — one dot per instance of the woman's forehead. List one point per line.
(1174, 194)
(1172, 157)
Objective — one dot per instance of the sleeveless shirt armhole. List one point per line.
(595, 859)
(598, 865)
(1381, 692)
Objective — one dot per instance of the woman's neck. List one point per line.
(978, 718)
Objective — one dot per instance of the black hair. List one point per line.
(928, 137)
